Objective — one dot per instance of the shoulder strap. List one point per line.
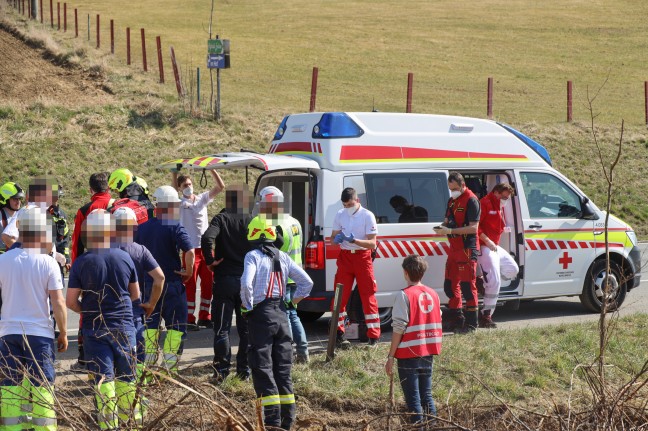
(84, 209)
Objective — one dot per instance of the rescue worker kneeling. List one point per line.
(263, 295)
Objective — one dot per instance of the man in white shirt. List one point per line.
(29, 281)
(355, 230)
(194, 218)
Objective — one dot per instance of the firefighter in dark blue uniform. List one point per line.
(263, 295)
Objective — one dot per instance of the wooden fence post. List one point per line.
(646, 99)
(41, 10)
(160, 65)
(76, 23)
(52, 13)
(64, 17)
(128, 56)
(176, 74)
(98, 33)
(410, 83)
(489, 101)
(335, 314)
(143, 50)
(569, 101)
(313, 97)
(58, 15)
(112, 36)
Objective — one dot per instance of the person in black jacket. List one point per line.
(227, 236)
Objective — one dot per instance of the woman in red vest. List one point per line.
(416, 338)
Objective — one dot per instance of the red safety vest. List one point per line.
(423, 334)
(456, 215)
(491, 222)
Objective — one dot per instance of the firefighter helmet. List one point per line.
(143, 184)
(10, 190)
(259, 231)
(120, 178)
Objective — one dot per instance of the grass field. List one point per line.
(365, 49)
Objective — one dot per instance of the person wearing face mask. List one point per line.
(163, 236)
(493, 259)
(355, 230)
(461, 225)
(194, 218)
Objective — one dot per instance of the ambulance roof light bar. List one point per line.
(336, 125)
(539, 149)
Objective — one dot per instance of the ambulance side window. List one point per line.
(407, 198)
(549, 197)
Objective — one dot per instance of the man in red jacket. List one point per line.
(100, 199)
(493, 259)
(461, 224)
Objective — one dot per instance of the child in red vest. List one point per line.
(416, 338)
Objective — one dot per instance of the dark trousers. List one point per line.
(226, 300)
(270, 357)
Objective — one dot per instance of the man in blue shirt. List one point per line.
(164, 237)
(145, 263)
(102, 286)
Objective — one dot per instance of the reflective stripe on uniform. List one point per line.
(287, 399)
(415, 328)
(270, 400)
(420, 342)
(43, 422)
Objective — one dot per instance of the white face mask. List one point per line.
(503, 202)
(187, 192)
(352, 210)
(455, 194)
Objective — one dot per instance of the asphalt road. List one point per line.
(198, 346)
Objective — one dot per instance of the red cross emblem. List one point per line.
(426, 303)
(565, 260)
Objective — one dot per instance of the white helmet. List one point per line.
(33, 219)
(125, 214)
(166, 194)
(271, 194)
(98, 218)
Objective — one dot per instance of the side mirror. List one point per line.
(587, 212)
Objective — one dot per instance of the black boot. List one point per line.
(454, 320)
(485, 320)
(470, 320)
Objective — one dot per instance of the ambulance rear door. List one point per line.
(559, 241)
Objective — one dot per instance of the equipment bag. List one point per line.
(138, 208)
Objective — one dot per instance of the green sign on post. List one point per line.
(215, 46)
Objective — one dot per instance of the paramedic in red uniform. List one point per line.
(355, 229)
(493, 259)
(461, 225)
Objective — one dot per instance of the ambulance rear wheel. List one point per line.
(385, 318)
(593, 289)
(309, 316)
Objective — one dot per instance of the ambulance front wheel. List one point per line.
(385, 318)
(595, 281)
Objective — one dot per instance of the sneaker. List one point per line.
(373, 342)
(486, 321)
(341, 341)
(301, 358)
(78, 367)
(205, 323)
(192, 327)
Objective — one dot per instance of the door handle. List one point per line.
(598, 232)
(535, 226)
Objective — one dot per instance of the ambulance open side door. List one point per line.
(559, 242)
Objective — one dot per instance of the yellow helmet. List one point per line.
(143, 184)
(119, 179)
(10, 190)
(259, 231)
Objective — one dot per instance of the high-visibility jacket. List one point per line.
(292, 236)
(456, 215)
(423, 334)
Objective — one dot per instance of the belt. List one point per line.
(357, 251)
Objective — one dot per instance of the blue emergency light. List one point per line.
(539, 149)
(336, 125)
(281, 129)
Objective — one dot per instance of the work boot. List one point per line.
(192, 327)
(470, 321)
(486, 321)
(341, 341)
(301, 358)
(454, 320)
(372, 342)
(205, 323)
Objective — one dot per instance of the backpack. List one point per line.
(139, 209)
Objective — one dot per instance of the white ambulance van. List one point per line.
(555, 233)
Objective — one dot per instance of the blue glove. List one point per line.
(349, 238)
(339, 238)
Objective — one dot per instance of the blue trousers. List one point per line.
(296, 328)
(26, 356)
(110, 353)
(415, 375)
(172, 307)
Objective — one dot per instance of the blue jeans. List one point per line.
(415, 375)
(33, 359)
(140, 327)
(296, 329)
(110, 353)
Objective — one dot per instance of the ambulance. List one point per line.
(554, 231)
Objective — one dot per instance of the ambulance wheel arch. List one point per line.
(592, 296)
